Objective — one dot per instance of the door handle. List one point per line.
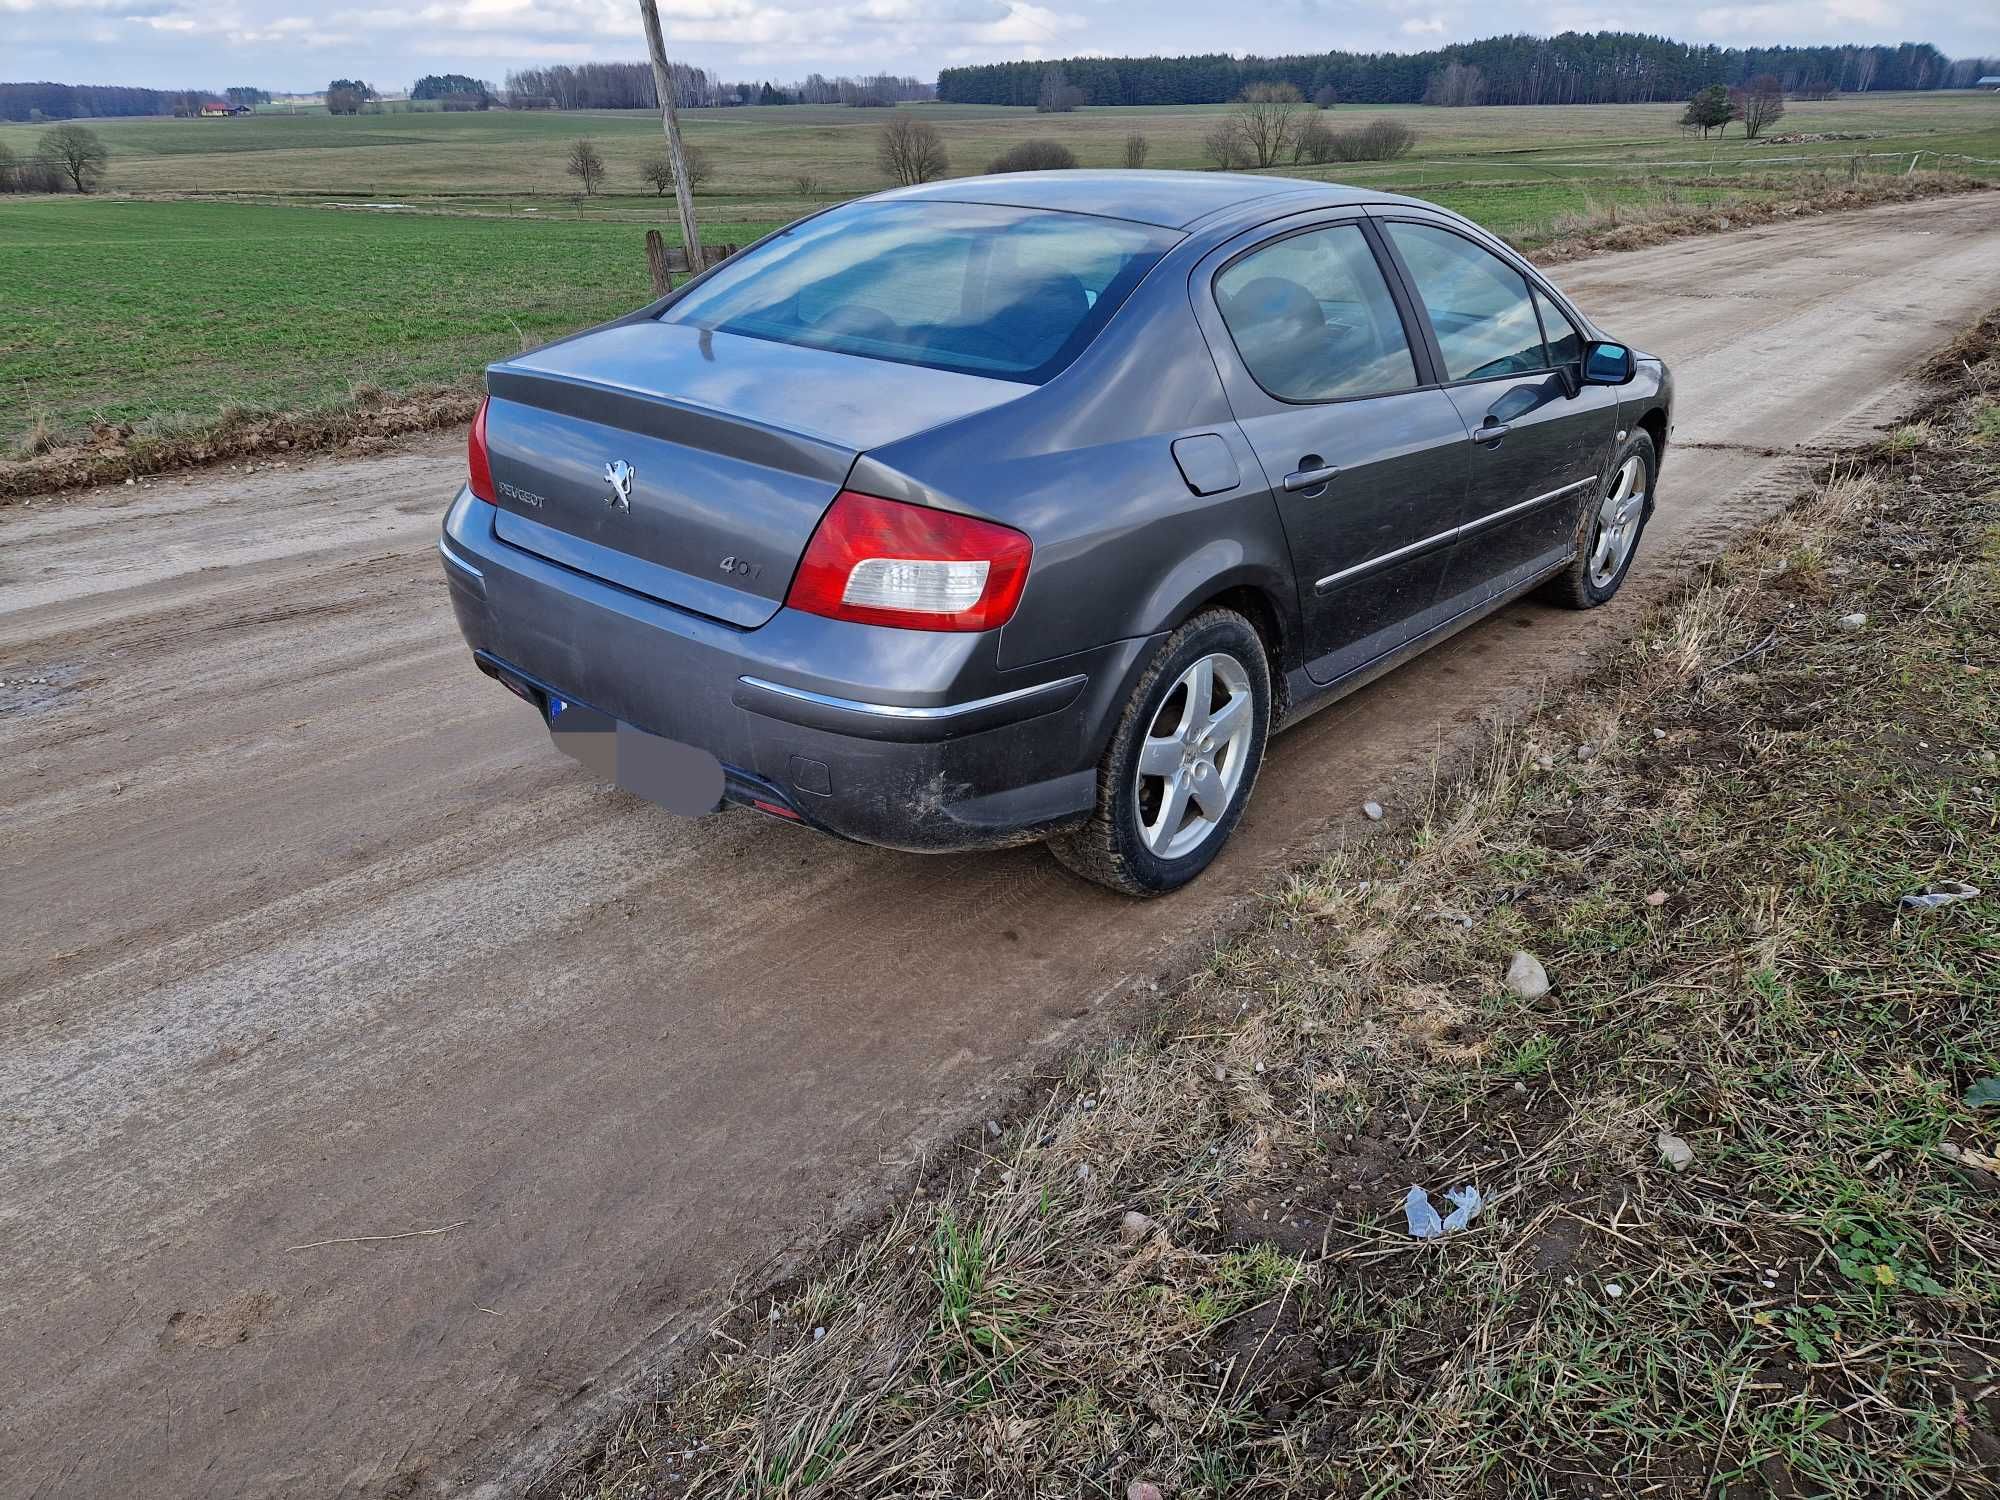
(1311, 479)
(1490, 432)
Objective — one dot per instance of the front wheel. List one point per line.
(1607, 536)
(1181, 763)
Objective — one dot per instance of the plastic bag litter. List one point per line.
(1943, 893)
(1424, 1221)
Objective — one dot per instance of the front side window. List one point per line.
(1565, 343)
(1479, 305)
(1009, 292)
(1313, 318)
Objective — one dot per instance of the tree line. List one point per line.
(630, 86)
(1605, 67)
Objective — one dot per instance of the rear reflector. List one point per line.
(479, 468)
(883, 562)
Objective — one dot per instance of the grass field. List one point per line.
(221, 269)
(162, 314)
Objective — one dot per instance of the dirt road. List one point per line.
(311, 937)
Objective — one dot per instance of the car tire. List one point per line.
(1136, 841)
(1605, 545)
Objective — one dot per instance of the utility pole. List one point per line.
(663, 84)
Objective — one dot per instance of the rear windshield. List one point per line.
(1009, 292)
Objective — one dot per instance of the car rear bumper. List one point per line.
(909, 739)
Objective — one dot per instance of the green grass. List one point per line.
(238, 286)
(158, 314)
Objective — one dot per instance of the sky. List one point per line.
(287, 45)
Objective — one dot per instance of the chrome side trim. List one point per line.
(898, 711)
(458, 562)
(1411, 549)
(1515, 509)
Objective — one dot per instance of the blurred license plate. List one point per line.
(680, 778)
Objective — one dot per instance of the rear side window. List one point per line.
(1565, 343)
(1008, 292)
(1478, 304)
(1313, 318)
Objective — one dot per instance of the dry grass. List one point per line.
(1187, 1264)
(1605, 224)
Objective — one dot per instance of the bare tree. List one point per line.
(75, 152)
(1758, 104)
(1456, 85)
(658, 172)
(585, 165)
(1266, 118)
(1223, 144)
(911, 150)
(1312, 141)
(1136, 148)
(806, 185)
(1057, 95)
(1325, 96)
(8, 163)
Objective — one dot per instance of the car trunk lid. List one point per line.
(692, 466)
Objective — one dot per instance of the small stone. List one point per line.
(1674, 1151)
(1526, 977)
(1586, 751)
(1142, 1489)
(1083, 1172)
(1134, 1227)
(818, 1334)
(1545, 762)
(1659, 734)
(1854, 621)
(1613, 1290)
(993, 1130)
(1372, 811)
(1089, 1104)
(1657, 898)
(1221, 1073)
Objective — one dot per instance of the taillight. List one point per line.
(478, 468)
(882, 562)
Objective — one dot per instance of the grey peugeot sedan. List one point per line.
(1026, 507)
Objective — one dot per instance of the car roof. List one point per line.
(1170, 200)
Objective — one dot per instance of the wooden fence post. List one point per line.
(656, 263)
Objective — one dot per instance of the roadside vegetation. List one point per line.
(1733, 1119)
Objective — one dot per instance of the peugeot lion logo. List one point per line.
(619, 476)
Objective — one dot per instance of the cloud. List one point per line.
(290, 44)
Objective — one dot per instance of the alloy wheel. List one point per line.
(1192, 760)
(1618, 518)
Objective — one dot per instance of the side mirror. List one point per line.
(1607, 364)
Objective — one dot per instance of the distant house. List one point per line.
(215, 109)
(1990, 81)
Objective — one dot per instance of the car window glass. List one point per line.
(1479, 305)
(1313, 318)
(987, 290)
(1565, 343)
